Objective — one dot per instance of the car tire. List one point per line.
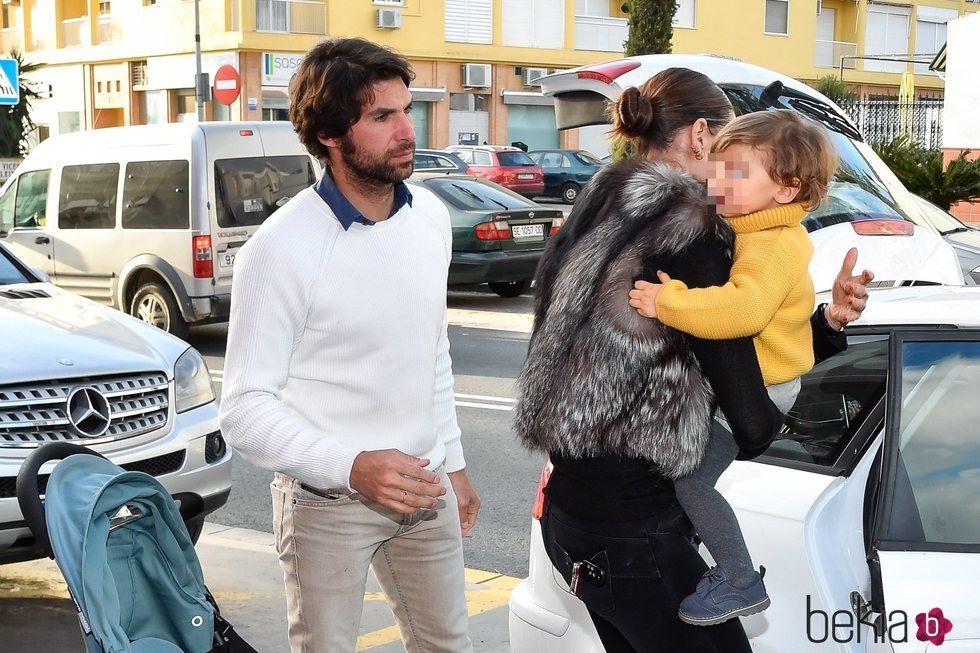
(154, 304)
(510, 288)
(569, 193)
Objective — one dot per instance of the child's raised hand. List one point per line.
(643, 297)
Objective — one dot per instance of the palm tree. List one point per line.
(15, 120)
(922, 171)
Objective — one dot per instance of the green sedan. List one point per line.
(498, 235)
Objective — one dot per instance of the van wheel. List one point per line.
(569, 193)
(154, 304)
(510, 288)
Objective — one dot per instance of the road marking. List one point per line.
(485, 591)
(487, 402)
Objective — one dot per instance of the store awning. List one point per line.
(527, 97)
(274, 98)
(422, 94)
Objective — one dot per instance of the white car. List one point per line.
(72, 370)
(867, 206)
(863, 511)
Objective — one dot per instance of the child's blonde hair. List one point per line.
(797, 152)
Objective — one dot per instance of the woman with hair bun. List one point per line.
(623, 404)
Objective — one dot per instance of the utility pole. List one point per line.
(201, 86)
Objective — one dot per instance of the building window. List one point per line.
(777, 16)
(591, 7)
(534, 23)
(887, 34)
(389, 3)
(684, 16)
(149, 3)
(467, 102)
(930, 32)
(104, 8)
(469, 21)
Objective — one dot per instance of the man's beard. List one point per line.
(375, 170)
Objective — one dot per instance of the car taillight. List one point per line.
(203, 263)
(883, 228)
(556, 225)
(538, 509)
(497, 230)
(607, 72)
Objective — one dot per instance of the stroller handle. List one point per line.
(28, 493)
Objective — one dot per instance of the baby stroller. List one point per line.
(124, 551)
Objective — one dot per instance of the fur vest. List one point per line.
(600, 379)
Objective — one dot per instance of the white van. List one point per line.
(148, 218)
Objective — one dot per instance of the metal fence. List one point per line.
(881, 121)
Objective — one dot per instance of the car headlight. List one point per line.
(193, 381)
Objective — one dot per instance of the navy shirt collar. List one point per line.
(346, 213)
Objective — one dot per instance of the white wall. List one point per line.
(961, 129)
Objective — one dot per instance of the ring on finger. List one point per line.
(405, 497)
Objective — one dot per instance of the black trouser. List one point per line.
(636, 575)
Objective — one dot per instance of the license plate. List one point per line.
(226, 260)
(527, 230)
(525, 175)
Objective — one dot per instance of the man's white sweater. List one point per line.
(338, 344)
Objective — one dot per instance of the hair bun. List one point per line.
(635, 112)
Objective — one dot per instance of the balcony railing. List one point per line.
(11, 38)
(291, 16)
(109, 30)
(75, 32)
(828, 54)
(600, 33)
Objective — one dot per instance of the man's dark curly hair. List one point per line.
(333, 82)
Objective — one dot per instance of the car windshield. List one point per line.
(473, 195)
(587, 158)
(508, 159)
(10, 272)
(860, 189)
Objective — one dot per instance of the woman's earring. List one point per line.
(698, 153)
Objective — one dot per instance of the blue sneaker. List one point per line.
(716, 600)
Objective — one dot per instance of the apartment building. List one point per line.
(870, 43)
(120, 62)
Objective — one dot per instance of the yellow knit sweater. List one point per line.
(769, 294)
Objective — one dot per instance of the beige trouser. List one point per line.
(325, 546)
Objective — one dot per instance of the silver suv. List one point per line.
(74, 371)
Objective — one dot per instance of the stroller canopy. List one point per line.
(138, 585)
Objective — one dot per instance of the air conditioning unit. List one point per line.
(476, 75)
(389, 19)
(532, 75)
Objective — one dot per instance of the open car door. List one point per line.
(924, 550)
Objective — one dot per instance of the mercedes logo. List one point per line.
(88, 412)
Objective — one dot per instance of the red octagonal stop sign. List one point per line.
(227, 84)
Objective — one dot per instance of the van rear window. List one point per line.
(155, 195)
(250, 190)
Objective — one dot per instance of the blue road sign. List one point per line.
(9, 83)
